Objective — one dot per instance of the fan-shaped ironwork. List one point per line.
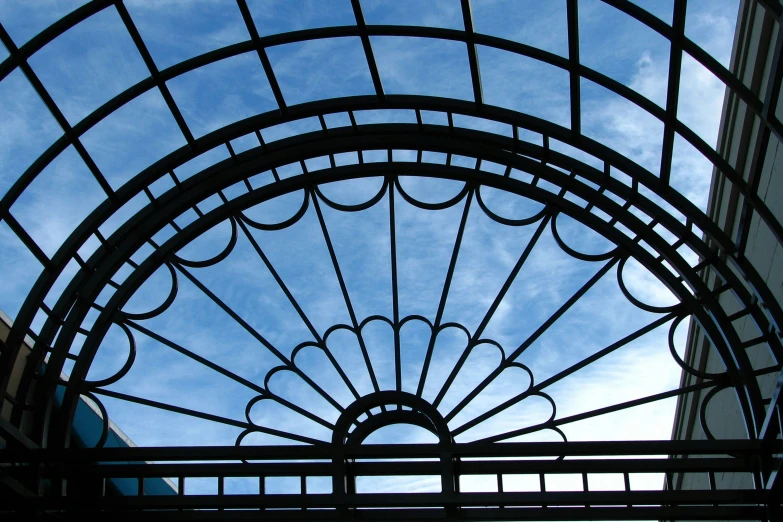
(317, 422)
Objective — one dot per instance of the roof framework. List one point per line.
(638, 212)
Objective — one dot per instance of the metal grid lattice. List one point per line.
(563, 185)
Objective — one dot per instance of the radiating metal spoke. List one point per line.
(28, 241)
(492, 309)
(572, 18)
(473, 60)
(194, 356)
(297, 307)
(565, 373)
(673, 88)
(532, 338)
(344, 291)
(261, 51)
(395, 292)
(367, 46)
(206, 416)
(601, 411)
(260, 338)
(445, 292)
(231, 375)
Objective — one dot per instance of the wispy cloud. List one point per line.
(438, 13)
(424, 66)
(23, 20)
(175, 30)
(280, 16)
(540, 24)
(223, 92)
(46, 209)
(236, 88)
(107, 64)
(26, 128)
(321, 69)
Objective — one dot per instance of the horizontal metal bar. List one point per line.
(448, 34)
(644, 465)
(405, 500)
(200, 185)
(14, 436)
(464, 450)
(404, 468)
(485, 513)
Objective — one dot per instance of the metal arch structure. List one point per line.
(45, 475)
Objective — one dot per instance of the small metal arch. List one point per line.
(314, 174)
(422, 414)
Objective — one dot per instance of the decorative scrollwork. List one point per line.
(358, 207)
(163, 306)
(512, 222)
(431, 206)
(580, 255)
(119, 374)
(523, 317)
(676, 356)
(217, 258)
(636, 301)
(282, 224)
(322, 379)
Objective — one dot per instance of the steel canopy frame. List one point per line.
(51, 462)
(139, 229)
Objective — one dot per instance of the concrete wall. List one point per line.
(16, 371)
(87, 425)
(752, 58)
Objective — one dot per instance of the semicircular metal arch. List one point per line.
(630, 206)
(122, 244)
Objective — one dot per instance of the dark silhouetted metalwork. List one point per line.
(637, 211)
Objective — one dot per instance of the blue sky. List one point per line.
(96, 60)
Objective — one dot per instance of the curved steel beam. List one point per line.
(667, 117)
(394, 140)
(123, 243)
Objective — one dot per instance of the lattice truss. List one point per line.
(276, 249)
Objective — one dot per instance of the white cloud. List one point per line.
(425, 240)
(639, 136)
